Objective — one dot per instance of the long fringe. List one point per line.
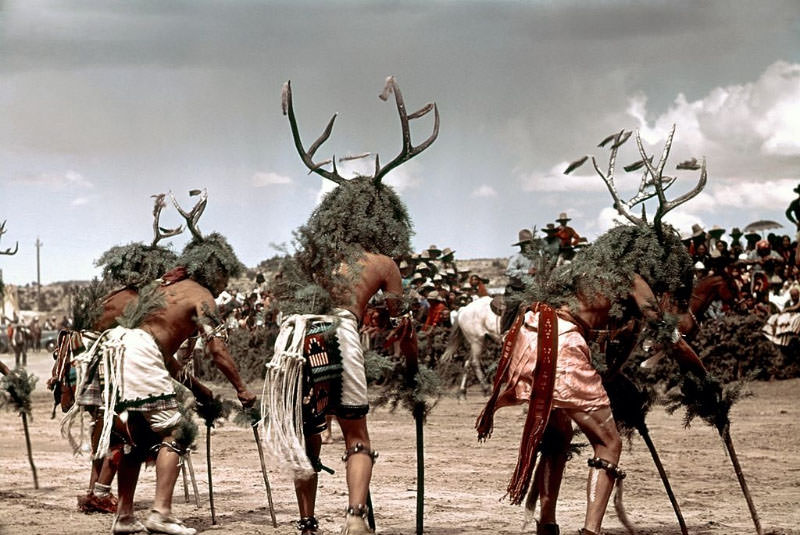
(76, 413)
(281, 400)
(113, 353)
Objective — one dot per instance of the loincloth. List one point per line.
(577, 383)
(135, 365)
(312, 374)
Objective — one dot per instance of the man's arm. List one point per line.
(646, 301)
(220, 356)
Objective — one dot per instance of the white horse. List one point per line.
(472, 324)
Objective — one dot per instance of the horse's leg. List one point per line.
(476, 349)
(462, 389)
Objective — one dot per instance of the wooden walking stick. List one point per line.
(185, 482)
(194, 481)
(707, 398)
(415, 394)
(211, 411)
(17, 386)
(210, 482)
(630, 406)
(252, 416)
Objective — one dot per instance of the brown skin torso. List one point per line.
(170, 326)
(373, 272)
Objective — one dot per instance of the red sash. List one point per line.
(541, 396)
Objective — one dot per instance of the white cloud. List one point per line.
(57, 180)
(752, 194)
(742, 127)
(484, 190)
(262, 179)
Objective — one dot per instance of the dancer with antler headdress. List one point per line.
(610, 286)
(344, 257)
(132, 362)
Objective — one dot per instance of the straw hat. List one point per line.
(525, 236)
(697, 231)
(447, 252)
(434, 296)
(716, 232)
(434, 251)
(563, 217)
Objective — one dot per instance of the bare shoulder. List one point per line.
(193, 293)
(382, 262)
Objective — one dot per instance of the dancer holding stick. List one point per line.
(345, 257)
(164, 314)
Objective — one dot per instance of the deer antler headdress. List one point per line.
(206, 258)
(362, 213)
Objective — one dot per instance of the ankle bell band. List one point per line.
(307, 523)
(612, 469)
(359, 448)
(358, 510)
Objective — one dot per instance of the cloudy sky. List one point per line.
(103, 103)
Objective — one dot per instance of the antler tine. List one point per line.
(308, 156)
(161, 232)
(193, 216)
(8, 251)
(656, 173)
(662, 210)
(619, 205)
(643, 194)
(664, 205)
(408, 151)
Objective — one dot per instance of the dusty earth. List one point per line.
(464, 479)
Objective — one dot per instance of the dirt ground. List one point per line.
(464, 480)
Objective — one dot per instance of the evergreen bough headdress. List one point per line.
(206, 258)
(362, 214)
(654, 252)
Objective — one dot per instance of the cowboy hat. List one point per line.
(716, 232)
(752, 236)
(434, 251)
(736, 233)
(525, 236)
(697, 231)
(434, 296)
(563, 217)
(447, 252)
(550, 228)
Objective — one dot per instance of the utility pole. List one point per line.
(38, 276)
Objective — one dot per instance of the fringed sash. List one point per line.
(281, 397)
(541, 399)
